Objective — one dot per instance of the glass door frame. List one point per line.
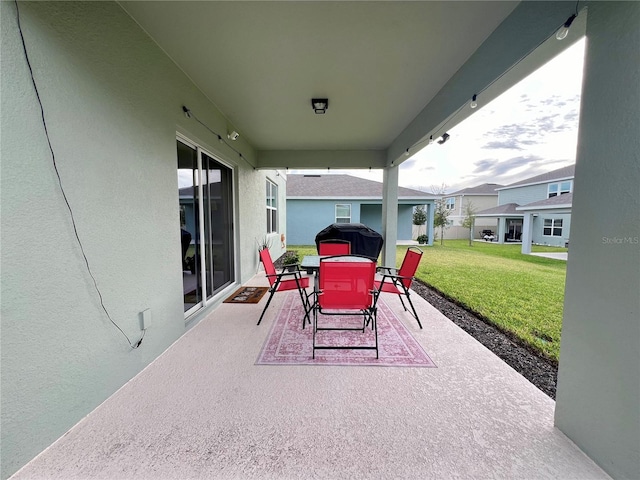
(201, 212)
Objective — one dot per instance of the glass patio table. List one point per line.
(311, 263)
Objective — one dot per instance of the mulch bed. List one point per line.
(540, 371)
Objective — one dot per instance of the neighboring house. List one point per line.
(316, 201)
(534, 210)
(480, 197)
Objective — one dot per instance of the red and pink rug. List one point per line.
(288, 344)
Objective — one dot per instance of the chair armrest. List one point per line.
(388, 269)
(282, 274)
(396, 277)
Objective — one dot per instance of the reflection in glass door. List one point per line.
(206, 226)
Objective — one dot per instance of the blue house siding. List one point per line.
(305, 218)
(405, 222)
(538, 229)
(523, 195)
(371, 216)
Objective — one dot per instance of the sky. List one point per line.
(530, 129)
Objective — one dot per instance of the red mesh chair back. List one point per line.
(346, 284)
(399, 283)
(334, 247)
(269, 269)
(282, 282)
(409, 266)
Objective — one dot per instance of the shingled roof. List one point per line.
(500, 210)
(559, 201)
(484, 189)
(559, 174)
(343, 186)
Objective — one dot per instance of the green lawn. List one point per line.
(522, 294)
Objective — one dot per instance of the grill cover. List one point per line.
(364, 240)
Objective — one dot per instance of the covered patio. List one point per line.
(108, 106)
(204, 409)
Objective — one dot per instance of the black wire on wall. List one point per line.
(64, 195)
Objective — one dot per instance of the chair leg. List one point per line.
(402, 301)
(374, 319)
(314, 327)
(415, 314)
(306, 305)
(267, 305)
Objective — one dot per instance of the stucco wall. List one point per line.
(598, 396)
(112, 102)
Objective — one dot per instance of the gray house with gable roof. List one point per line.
(316, 201)
(479, 197)
(535, 210)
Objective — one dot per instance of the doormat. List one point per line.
(247, 295)
(289, 344)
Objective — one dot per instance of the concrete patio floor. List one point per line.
(203, 409)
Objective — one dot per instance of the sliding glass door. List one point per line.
(206, 225)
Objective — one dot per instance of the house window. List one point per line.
(450, 203)
(272, 207)
(552, 227)
(559, 188)
(343, 213)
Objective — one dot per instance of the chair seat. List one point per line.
(387, 287)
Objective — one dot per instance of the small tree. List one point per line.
(440, 213)
(469, 219)
(420, 218)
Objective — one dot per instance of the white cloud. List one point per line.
(530, 129)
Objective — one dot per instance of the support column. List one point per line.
(598, 395)
(389, 214)
(502, 228)
(527, 233)
(431, 213)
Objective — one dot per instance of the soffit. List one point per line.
(260, 63)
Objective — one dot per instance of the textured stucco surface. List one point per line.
(112, 102)
(205, 410)
(598, 395)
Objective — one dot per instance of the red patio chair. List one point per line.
(334, 247)
(400, 281)
(346, 287)
(278, 283)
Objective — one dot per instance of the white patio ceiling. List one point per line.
(379, 64)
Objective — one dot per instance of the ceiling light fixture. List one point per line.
(445, 137)
(233, 136)
(474, 102)
(320, 105)
(431, 140)
(563, 31)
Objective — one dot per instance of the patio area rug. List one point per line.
(288, 344)
(247, 295)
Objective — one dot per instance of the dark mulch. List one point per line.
(543, 373)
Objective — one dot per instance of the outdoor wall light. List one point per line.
(320, 105)
(445, 137)
(562, 33)
(233, 135)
